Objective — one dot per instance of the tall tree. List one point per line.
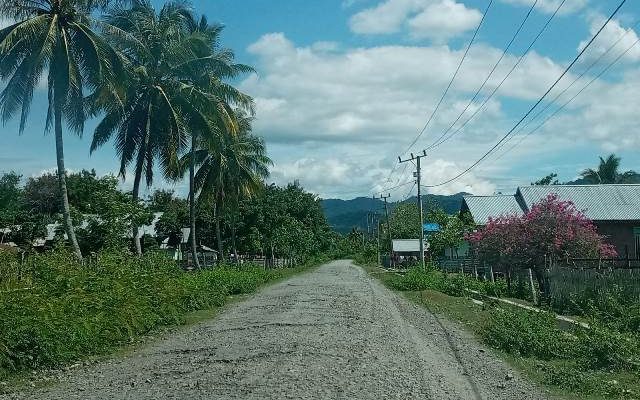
(146, 119)
(207, 84)
(231, 166)
(248, 168)
(53, 38)
(607, 172)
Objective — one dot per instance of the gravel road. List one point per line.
(333, 333)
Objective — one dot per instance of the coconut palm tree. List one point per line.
(231, 167)
(607, 172)
(209, 82)
(147, 120)
(249, 167)
(53, 38)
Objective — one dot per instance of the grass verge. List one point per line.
(598, 363)
(67, 312)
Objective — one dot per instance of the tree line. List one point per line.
(159, 82)
(275, 222)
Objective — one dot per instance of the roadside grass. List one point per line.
(573, 363)
(69, 312)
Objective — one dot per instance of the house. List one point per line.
(481, 208)
(614, 209)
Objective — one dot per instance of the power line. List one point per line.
(565, 90)
(495, 66)
(537, 103)
(562, 107)
(453, 78)
(399, 177)
(495, 90)
(426, 125)
(399, 186)
(410, 191)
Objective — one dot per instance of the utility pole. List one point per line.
(369, 224)
(386, 214)
(418, 177)
(377, 221)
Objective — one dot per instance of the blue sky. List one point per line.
(343, 86)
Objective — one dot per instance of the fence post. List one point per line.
(475, 271)
(493, 279)
(533, 287)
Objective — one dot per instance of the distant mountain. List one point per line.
(344, 215)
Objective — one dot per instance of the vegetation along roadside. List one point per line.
(68, 312)
(599, 362)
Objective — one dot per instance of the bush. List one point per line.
(451, 284)
(73, 311)
(528, 334)
(600, 348)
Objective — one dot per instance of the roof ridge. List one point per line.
(576, 185)
(490, 195)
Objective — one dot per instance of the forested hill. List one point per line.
(344, 215)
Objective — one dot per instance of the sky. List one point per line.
(343, 87)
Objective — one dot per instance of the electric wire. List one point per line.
(495, 90)
(566, 89)
(575, 60)
(426, 125)
(453, 78)
(410, 191)
(495, 67)
(563, 106)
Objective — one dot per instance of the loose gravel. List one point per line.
(333, 333)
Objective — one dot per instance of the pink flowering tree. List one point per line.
(551, 229)
(499, 243)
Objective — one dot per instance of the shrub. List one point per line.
(605, 349)
(528, 334)
(73, 311)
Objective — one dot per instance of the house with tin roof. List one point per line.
(481, 208)
(614, 209)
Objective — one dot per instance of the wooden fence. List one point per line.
(573, 278)
(266, 262)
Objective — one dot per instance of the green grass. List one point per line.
(71, 312)
(575, 364)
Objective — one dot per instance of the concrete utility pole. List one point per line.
(386, 214)
(377, 221)
(418, 177)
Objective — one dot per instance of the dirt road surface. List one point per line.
(332, 333)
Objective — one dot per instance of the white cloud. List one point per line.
(442, 170)
(444, 19)
(336, 118)
(433, 19)
(550, 6)
(370, 93)
(351, 112)
(606, 114)
(613, 33)
(333, 177)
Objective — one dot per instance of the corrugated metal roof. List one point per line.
(483, 207)
(599, 202)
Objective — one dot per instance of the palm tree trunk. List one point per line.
(233, 235)
(192, 203)
(135, 195)
(62, 182)
(216, 211)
